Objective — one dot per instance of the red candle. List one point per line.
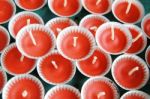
(3, 79)
(65, 8)
(113, 38)
(4, 38)
(35, 41)
(147, 56)
(23, 87)
(55, 69)
(128, 11)
(145, 24)
(97, 64)
(99, 88)
(59, 23)
(30, 5)
(139, 40)
(7, 10)
(63, 92)
(92, 22)
(135, 94)
(75, 43)
(130, 72)
(20, 20)
(97, 6)
(14, 62)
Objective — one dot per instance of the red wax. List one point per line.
(12, 63)
(71, 8)
(6, 10)
(2, 80)
(31, 4)
(134, 97)
(147, 56)
(100, 8)
(52, 75)
(100, 67)
(146, 27)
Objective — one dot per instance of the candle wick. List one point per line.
(98, 1)
(54, 64)
(133, 70)
(58, 30)
(112, 33)
(75, 41)
(28, 21)
(137, 37)
(93, 28)
(24, 93)
(94, 59)
(100, 94)
(22, 58)
(129, 6)
(65, 3)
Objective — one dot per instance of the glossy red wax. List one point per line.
(2, 80)
(147, 27)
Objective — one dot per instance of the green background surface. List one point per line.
(79, 79)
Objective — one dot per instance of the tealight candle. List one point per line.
(128, 11)
(97, 64)
(65, 8)
(99, 88)
(145, 24)
(97, 6)
(92, 22)
(55, 69)
(7, 10)
(35, 41)
(147, 56)
(113, 38)
(14, 62)
(30, 5)
(130, 72)
(63, 92)
(19, 21)
(4, 38)
(23, 87)
(75, 43)
(3, 79)
(59, 23)
(139, 41)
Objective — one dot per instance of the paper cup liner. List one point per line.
(3, 79)
(116, 25)
(15, 83)
(137, 3)
(59, 88)
(102, 79)
(5, 58)
(30, 9)
(76, 30)
(47, 80)
(147, 55)
(34, 27)
(109, 62)
(135, 59)
(15, 20)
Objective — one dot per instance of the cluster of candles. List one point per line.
(56, 48)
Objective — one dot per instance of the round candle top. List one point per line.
(55, 69)
(139, 40)
(135, 94)
(97, 64)
(14, 62)
(99, 88)
(146, 25)
(35, 41)
(23, 87)
(65, 8)
(147, 56)
(128, 11)
(7, 10)
(4, 38)
(3, 79)
(75, 43)
(97, 6)
(92, 22)
(30, 5)
(130, 72)
(59, 23)
(63, 92)
(113, 38)
(20, 20)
